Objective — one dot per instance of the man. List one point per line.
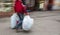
(20, 9)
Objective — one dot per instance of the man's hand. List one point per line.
(26, 14)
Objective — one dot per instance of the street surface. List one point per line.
(45, 23)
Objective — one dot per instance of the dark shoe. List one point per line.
(13, 28)
(17, 31)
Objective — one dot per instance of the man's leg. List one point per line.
(21, 20)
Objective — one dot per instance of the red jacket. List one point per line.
(19, 8)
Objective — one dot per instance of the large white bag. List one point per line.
(27, 23)
(14, 19)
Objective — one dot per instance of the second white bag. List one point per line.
(27, 23)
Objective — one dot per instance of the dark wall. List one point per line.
(50, 5)
(36, 4)
(50, 2)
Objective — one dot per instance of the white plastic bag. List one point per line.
(27, 23)
(14, 19)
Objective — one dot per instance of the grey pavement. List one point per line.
(45, 23)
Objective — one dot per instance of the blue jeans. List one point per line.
(21, 16)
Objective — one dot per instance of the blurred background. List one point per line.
(6, 6)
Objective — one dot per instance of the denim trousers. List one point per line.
(21, 17)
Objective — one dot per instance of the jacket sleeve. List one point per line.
(25, 10)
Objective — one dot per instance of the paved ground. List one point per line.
(45, 23)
